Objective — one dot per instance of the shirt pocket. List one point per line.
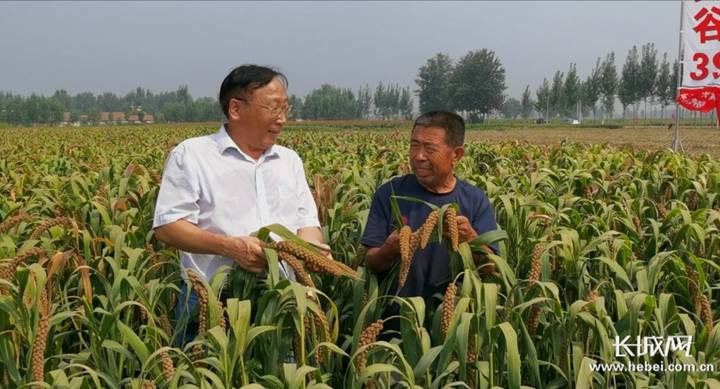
(286, 192)
(286, 201)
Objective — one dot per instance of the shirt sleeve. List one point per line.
(378, 222)
(179, 191)
(307, 213)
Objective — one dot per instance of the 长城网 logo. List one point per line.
(652, 345)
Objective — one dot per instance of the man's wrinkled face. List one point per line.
(432, 159)
(264, 113)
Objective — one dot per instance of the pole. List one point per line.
(579, 111)
(676, 145)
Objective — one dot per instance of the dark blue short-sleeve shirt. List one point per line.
(430, 268)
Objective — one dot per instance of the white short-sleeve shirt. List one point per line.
(211, 183)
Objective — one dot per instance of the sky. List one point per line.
(117, 46)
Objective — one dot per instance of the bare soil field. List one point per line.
(695, 140)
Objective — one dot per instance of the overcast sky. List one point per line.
(117, 46)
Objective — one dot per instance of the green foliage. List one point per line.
(392, 101)
(556, 94)
(297, 106)
(511, 108)
(591, 88)
(664, 89)
(630, 81)
(571, 92)
(648, 72)
(526, 104)
(329, 102)
(612, 232)
(365, 100)
(171, 106)
(433, 81)
(608, 84)
(542, 103)
(477, 83)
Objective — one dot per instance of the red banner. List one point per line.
(700, 99)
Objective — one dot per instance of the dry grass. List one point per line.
(695, 140)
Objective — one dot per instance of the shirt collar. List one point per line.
(224, 142)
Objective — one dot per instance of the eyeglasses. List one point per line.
(274, 111)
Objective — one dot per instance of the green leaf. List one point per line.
(487, 238)
(512, 354)
(584, 378)
(618, 270)
(117, 347)
(376, 368)
(416, 200)
(135, 342)
(334, 348)
(490, 293)
(426, 361)
(711, 383)
(395, 208)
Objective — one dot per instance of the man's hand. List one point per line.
(314, 236)
(392, 243)
(379, 259)
(323, 248)
(246, 252)
(466, 232)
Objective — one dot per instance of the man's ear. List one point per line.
(235, 109)
(457, 154)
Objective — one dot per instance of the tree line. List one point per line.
(473, 85)
(389, 101)
(643, 78)
(386, 101)
(172, 106)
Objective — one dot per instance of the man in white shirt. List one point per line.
(219, 188)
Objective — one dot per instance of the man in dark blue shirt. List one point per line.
(436, 146)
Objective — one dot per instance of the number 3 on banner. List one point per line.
(702, 66)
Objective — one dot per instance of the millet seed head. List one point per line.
(428, 227)
(536, 263)
(302, 276)
(368, 337)
(448, 307)
(46, 225)
(451, 224)
(405, 254)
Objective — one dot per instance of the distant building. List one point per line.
(107, 117)
(112, 117)
(118, 116)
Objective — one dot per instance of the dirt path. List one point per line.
(695, 141)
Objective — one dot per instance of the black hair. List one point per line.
(452, 123)
(243, 80)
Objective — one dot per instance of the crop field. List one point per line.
(597, 243)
